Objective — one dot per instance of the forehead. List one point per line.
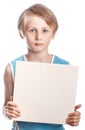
(35, 21)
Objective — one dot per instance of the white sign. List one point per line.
(45, 92)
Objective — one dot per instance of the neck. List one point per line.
(44, 57)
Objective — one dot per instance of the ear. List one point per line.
(21, 34)
(54, 35)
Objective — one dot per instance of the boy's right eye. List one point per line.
(31, 30)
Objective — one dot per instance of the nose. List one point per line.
(38, 35)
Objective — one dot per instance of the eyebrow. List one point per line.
(38, 28)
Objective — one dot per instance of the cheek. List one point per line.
(29, 36)
(49, 38)
(30, 39)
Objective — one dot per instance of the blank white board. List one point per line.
(45, 92)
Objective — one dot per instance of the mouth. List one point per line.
(39, 44)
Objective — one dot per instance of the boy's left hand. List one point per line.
(73, 118)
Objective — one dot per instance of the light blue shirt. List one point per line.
(37, 126)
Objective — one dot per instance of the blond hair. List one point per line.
(41, 11)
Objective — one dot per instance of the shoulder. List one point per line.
(7, 70)
(20, 58)
(13, 63)
(7, 74)
(58, 60)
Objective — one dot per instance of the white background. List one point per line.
(68, 43)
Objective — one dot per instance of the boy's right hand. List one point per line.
(12, 110)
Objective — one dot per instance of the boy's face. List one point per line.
(38, 34)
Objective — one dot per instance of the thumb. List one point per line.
(77, 107)
(11, 98)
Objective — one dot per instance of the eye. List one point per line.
(45, 30)
(31, 30)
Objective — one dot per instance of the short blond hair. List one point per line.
(41, 11)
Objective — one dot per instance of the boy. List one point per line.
(37, 25)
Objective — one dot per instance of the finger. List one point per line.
(73, 123)
(75, 110)
(73, 118)
(17, 113)
(11, 98)
(76, 113)
(77, 107)
(12, 112)
(77, 118)
(13, 108)
(11, 103)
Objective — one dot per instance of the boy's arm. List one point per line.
(10, 109)
(9, 85)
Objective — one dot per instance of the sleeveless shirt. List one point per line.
(19, 125)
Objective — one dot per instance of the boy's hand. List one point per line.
(11, 109)
(73, 118)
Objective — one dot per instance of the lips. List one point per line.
(39, 44)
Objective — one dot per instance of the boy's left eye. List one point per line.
(44, 30)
